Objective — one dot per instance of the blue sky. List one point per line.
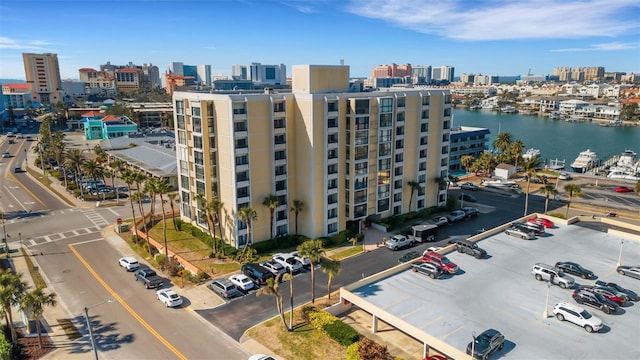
(491, 37)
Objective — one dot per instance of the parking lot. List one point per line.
(500, 292)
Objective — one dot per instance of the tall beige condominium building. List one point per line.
(347, 156)
(43, 77)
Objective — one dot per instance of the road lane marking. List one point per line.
(16, 199)
(86, 242)
(113, 211)
(452, 332)
(9, 176)
(126, 306)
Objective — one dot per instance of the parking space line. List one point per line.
(452, 332)
(412, 312)
(430, 322)
(126, 306)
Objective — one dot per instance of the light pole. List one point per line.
(20, 236)
(473, 345)
(86, 316)
(620, 255)
(545, 314)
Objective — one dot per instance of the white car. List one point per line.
(273, 266)
(435, 248)
(169, 297)
(129, 262)
(305, 261)
(242, 281)
(440, 221)
(289, 262)
(261, 357)
(577, 315)
(564, 176)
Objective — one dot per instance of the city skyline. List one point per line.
(488, 37)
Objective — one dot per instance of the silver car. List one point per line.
(520, 232)
(631, 271)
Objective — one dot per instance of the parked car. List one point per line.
(435, 248)
(542, 221)
(411, 255)
(169, 297)
(469, 186)
(129, 262)
(623, 189)
(399, 241)
(544, 272)
(564, 176)
(483, 345)
(521, 233)
(584, 296)
(527, 226)
(629, 270)
(619, 290)
(440, 260)
(470, 211)
(430, 269)
(257, 273)
(608, 294)
(455, 216)
(148, 278)
(306, 262)
(467, 197)
(440, 221)
(224, 288)
(577, 315)
(288, 262)
(242, 281)
(574, 269)
(273, 266)
(471, 248)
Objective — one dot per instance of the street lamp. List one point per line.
(620, 255)
(20, 236)
(86, 316)
(473, 345)
(545, 314)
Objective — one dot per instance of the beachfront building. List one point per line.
(347, 156)
(106, 127)
(466, 140)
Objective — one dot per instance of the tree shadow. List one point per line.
(107, 336)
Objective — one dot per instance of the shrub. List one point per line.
(306, 311)
(6, 350)
(352, 351)
(371, 350)
(318, 319)
(343, 333)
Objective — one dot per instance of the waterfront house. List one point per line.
(106, 127)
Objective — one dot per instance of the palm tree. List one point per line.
(466, 161)
(93, 170)
(332, 268)
(312, 250)
(248, 215)
(161, 187)
(204, 209)
(415, 186)
(172, 197)
(117, 165)
(33, 303)
(272, 202)
(11, 286)
(530, 166)
(75, 161)
(548, 190)
(139, 178)
(516, 149)
(213, 209)
(273, 289)
(503, 141)
(442, 185)
(128, 177)
(571, 190)
(297, 208)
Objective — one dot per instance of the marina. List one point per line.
(559, 142)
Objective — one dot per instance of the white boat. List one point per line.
(531, 153)
(475, 107)
(555, 164)
(623, 175)
(585, 161)
(508, 109)
(627, 167)
(628, 159)
(501, 184)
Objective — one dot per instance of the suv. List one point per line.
(577, 315)
(584, 296)
(288, 262)
(398, 242)
(485, 344)
(224, 287)
(471, 248)
(470, 211)
(275, 268)
(544, 272)
(440, 260)
(431, 270)
(256, 273)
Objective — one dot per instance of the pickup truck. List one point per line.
(149, 278)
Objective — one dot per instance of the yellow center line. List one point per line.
(126, 306)
(9, 176)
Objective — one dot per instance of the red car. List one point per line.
(624, 189)
(541, 221)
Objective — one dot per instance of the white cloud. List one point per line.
(302, 6)
(499, 20)
(14, 44)
(613, 46)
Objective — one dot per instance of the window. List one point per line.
(384, 164)
(401, 101)
(184, 167)
(397, 197)
(386, 105)
(281, 170)
(425, 114)
(445, 137)
(425, 100)
(280, 139)
(240, 126)
(241, 143)
(384, 149)
(362, 106)
(281, 185)
(181, 123)
(397, 184)
(362, 152)
(242, 176)
(384, 191)
(184, 182)
(400, 130)
(332, 199)
(278, 107)
(242, 192)
(182, 137)
(423, 140)
(361, 168)
(383, 205)
(197, 124)
(280, 155)
(360, 183)
(199, 172)
(242, 160)
(332, 228)
(239, 108)
(198, 158)
(386, 120)
(332, 184)
(397, 171)
(179, 107)
(385, 135)
(360, 196)
(332, 123)
(200, 187)
(400, 157)
(424, 127)
(332, 213)
(281, 215)
(332, 106)
(332, 154)
(362, 137)
(423, 154)
(332, 139)
(197, 142)
(399, 144)
(360, 211)
(445, 150)
(362, 123)
(400, 117)
(283, 199)
(332, 169)
(278, 124)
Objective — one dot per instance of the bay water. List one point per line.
(556, 139)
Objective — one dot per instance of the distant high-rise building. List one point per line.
(198, 74)
(393, 70)
(98, 81)
(442, 73)
(152, 73)
(42, 72)
(261, 74)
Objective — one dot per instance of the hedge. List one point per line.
(341, 332)
(352, 351)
